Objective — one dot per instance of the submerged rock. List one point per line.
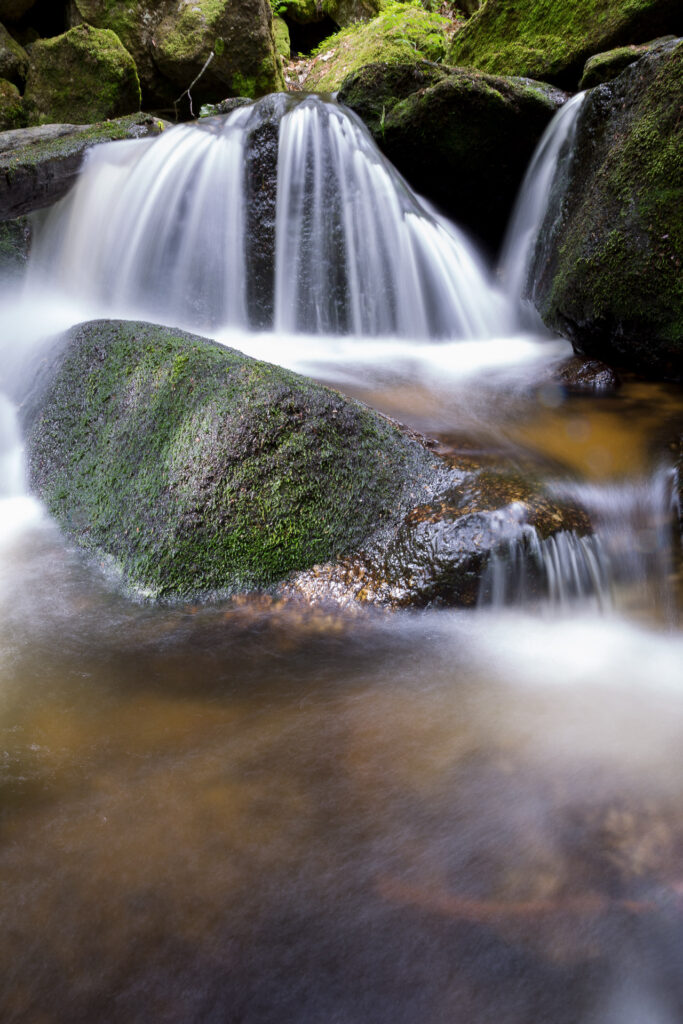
(82, 76)
(197, 471)
(607, 268)
(172, 42)
(461, 138)
(39, 165)
(553, 40)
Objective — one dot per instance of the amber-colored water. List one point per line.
(257, 814)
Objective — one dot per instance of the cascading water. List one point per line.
(542, 178)
(159, 227)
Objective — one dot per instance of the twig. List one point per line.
(191, 86)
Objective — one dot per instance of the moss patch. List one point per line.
(552, 39)
(13, 58)
(81, 77)
(12, 111)
(201, 471)
(614, 282)
(401, 34)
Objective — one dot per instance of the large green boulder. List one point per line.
(13, 58)
(607, 272)
(552, 39)
(400, 34)
(82, 76)
(461, 138)
(199, 470)
(172, 42)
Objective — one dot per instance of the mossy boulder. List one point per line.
(82, 76)
(281, 36)
(607, 271)
(13, 58)
(171, 43)
(401, 34)
(347, 12)
(200, 471)
(39, 165)
(603, 67)
(12, 112)
(552, 39)
(462, 138)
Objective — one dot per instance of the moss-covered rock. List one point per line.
(82, 76)
(39, 165)
(552, 39)
(603, 67)
(347, 12)
(281, 36)
(13, 58)
(608, 269)
(401, 34)
(171, 43)
(12, 111)
(199, 470)
(462, 138)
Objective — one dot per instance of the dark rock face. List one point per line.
(462, 139)
(15, 244)
(39, 165)
(200, 472)
(13, 58)
(552, 41)
(13, 10)
(607, 270)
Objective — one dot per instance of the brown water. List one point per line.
(257, 814)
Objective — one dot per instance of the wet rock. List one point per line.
(39, 165)
(172, 42)
(552, 41)
(607, 268)
(461, 138)
(13, 58)
(586, 376)
(196, 471)
(82, 76)
(603, 67)
(15, 244)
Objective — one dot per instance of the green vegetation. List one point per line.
(401, 34)
(201, 471)
(81, 77)
(552, 40)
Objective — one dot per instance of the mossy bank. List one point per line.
(198, 471)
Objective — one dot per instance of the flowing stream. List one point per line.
(252, 813)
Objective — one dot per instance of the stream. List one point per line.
(259, 813)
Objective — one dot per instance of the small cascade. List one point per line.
(545, 172)
(283, 213)
(628, 559)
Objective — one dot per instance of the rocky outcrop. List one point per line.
(603, 67)
(461, 138)
(171, 44)
(39, 165)
(401, 34)
(12, 113)
(607, 268)
(197, 471)
(552, 41)
(81, 77)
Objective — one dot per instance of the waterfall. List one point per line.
(628, 556)
(178, 228)
(533, 201)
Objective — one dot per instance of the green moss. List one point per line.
(13, 58)
(12, 110)
(202, 471)
(401, 34)
(551, 39)
(618, 282)
(281, 35)
(81, 77)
